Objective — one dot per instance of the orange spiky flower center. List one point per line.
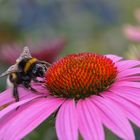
(80, 75)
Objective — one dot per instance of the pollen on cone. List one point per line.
(80, 75)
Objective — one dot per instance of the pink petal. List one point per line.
(128, 72)
(41, 89)
(66, 121)
(132, 32)
(89, 121)
(15, 105)
(114, 58)
(125, 84)
(132, 112)
(7, 97)
(113, 118)
(131, 94)
(130, 79)
(126, 64)
(22, 121)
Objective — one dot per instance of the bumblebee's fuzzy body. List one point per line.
(24, 71)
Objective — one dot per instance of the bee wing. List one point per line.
(25, 54)
(13, 68)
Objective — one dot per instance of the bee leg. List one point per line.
(15, 93)
(32, 89)
(28, 86)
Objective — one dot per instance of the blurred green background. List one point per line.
(86, 25)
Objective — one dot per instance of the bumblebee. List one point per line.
(25, 70)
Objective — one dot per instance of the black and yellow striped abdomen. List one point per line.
(26, 64)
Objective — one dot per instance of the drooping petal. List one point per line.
(89, 121)
(114, 58)
(125, 84)
(126, 64)
(16, 105)
(128, 72)
(66, 121)
(132, 112)
(129, 93)
(130, 79)
(23, 120)
(7, 95)
(113, 118)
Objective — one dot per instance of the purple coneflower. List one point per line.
(132, 32)
(88, 91)
(44, 51)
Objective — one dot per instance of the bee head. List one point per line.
(39, 70)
